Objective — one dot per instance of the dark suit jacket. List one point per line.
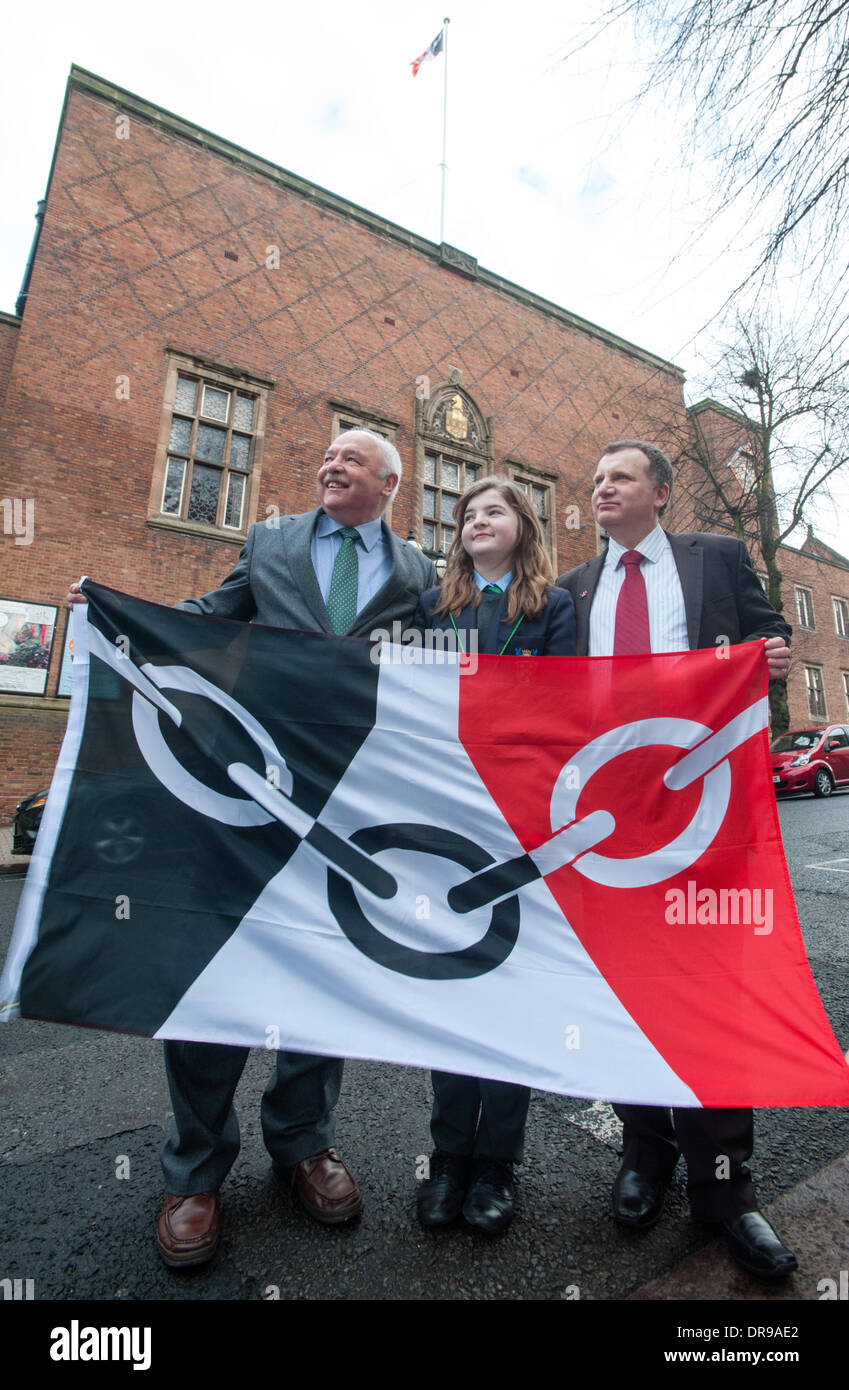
(551, 634)
(274, 582)
(722, 594)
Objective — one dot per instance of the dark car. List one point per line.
(811, 760)
(28, 815)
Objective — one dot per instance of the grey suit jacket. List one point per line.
(722, 594)
(274, 582)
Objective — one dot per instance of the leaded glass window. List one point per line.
(186, 392)
(445, 479)
(243, 417)
(210, 453)
(541, 497)
(216, 404)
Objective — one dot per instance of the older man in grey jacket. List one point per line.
(338, 569)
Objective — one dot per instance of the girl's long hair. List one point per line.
(532, 573)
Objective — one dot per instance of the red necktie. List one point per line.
(632, 610)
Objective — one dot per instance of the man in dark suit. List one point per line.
(338, 569)
(650, 591)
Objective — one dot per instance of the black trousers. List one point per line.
(472, 1117)
(716, 1145)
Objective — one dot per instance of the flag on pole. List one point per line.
(502, 868)
(432, 51)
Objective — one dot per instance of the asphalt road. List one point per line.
(83, 1116)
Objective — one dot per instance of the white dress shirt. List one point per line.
(667, 615)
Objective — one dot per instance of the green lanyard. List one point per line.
(516, 626)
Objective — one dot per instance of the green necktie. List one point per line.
(342, 598)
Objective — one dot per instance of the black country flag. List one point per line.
(512, 871)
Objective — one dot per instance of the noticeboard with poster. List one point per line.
(26, 641)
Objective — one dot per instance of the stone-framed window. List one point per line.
(348, 416)
(805, 608)
(844, 675)
(841, 616)
(539, 487)
(445, 479)
(453, 449)
(816, 692)
(209, 451)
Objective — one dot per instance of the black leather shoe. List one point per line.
(440, 1197)
(489, 1203)
(637, 1200)
(758, 1248)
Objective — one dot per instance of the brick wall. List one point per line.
(32, 736)
(9, 329)
(822, 646)
(136, 255)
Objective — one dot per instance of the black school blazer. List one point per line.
(551, 634)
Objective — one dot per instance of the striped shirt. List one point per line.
(667, 615)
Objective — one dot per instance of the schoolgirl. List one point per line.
(498, 584)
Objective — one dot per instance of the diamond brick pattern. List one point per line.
(154, 209)
(131, 264)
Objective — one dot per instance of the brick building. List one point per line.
(196, 324)
(818, 684)
(815, 578)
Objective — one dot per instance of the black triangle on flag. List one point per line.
(129, 947)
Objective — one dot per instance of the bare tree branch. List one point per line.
(765, 444)
(767, 82)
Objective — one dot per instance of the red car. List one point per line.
(811, 760)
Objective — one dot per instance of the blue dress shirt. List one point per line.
(374, 559)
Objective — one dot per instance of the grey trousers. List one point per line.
(202, 1144)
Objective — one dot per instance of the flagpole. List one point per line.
(445, 24)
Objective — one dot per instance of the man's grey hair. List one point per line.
(389, 456)
(659, 467)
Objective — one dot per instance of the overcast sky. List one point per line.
(553, 182)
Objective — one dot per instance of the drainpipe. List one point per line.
(22, 297)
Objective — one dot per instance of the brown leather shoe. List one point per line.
(188, 1229)
(326, 1187)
